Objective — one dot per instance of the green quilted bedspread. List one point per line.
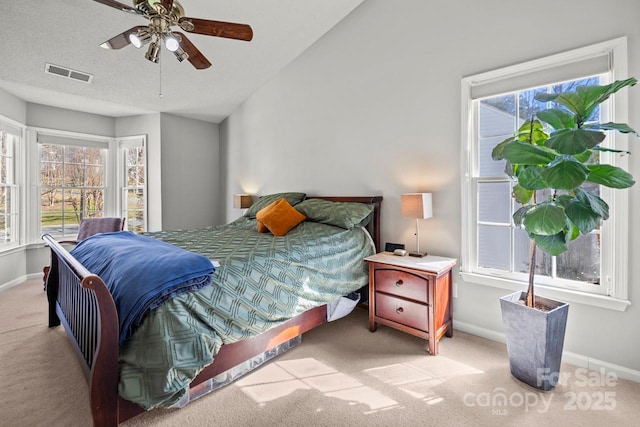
(262, 282)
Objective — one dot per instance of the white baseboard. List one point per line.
(12, 283)
(21, 279)
(568, 357)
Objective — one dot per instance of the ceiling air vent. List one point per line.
(57, 70)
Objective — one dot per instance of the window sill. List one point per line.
(566, 295)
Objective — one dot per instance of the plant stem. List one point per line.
(532, 245)
(532, 271)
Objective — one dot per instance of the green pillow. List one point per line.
(264, 201)
(341, 214)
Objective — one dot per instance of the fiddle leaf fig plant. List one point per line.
(562, 158)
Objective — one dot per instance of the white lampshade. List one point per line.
(416, 205)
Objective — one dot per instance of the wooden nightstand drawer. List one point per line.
(412, 295)
(402, 284)
(402, 311)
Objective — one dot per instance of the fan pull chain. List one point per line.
(160, 64)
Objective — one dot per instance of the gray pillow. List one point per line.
(341, 214)
(264, 201)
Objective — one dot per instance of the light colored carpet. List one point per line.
(341, 375)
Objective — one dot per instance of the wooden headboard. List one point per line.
(374, 225)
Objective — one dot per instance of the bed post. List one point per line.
(51, 287)
(82, 303)
(103, 383)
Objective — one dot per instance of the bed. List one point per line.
(82, 303)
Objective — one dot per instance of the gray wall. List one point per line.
(190, 173)
(12, 107)
(374, 108)
(69, 120)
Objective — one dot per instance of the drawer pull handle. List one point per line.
(399, 310)
(399, 283)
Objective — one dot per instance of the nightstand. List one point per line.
(412, 295)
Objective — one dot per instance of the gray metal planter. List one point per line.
(534, 339)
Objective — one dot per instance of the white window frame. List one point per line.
(123, 144)
(614, 252)
(16, 129)
(34, 223)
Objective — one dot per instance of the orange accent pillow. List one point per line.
(262, 228)
(279, 217)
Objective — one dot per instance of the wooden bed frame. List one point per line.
(81, 302)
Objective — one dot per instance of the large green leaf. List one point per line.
(518, 216)
(546, 97)
(592, 96)
(546, 219)
(574, 141)
(610, 176)
(609, 150)
(522, 195)
(597, 205)
(573, 102)
(582, 216)
(532, 132)
(586, 98)
(496, 153)
(572, 234)
(527, 154)
(620, 127)
(558, 119)
(530, 178)
(584, 156)
(565, 173)
(554, 245)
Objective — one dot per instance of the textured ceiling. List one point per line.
(68, 33)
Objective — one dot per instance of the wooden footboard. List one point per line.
(81, 302)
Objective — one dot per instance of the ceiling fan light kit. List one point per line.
(140, 38)
(171, 42)
(180, 54)
(162, 15)
(153, 53)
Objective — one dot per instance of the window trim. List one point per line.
(132, 142)
(33, 190)
(18, 130)
(617, 281)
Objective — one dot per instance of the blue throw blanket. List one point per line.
(141, 272)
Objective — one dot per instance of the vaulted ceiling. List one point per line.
(67, 33)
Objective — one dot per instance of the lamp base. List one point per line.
(418, 254)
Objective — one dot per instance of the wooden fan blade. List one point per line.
(228, 30)
(120, 6)
(121, 40)
(167, 4)
(196, 57)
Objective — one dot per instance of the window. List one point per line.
(496, 104)
(134, 193)
(9, 203)
(72, 182)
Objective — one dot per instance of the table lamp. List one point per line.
(418, 206)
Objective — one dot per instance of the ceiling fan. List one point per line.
(162, 15)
